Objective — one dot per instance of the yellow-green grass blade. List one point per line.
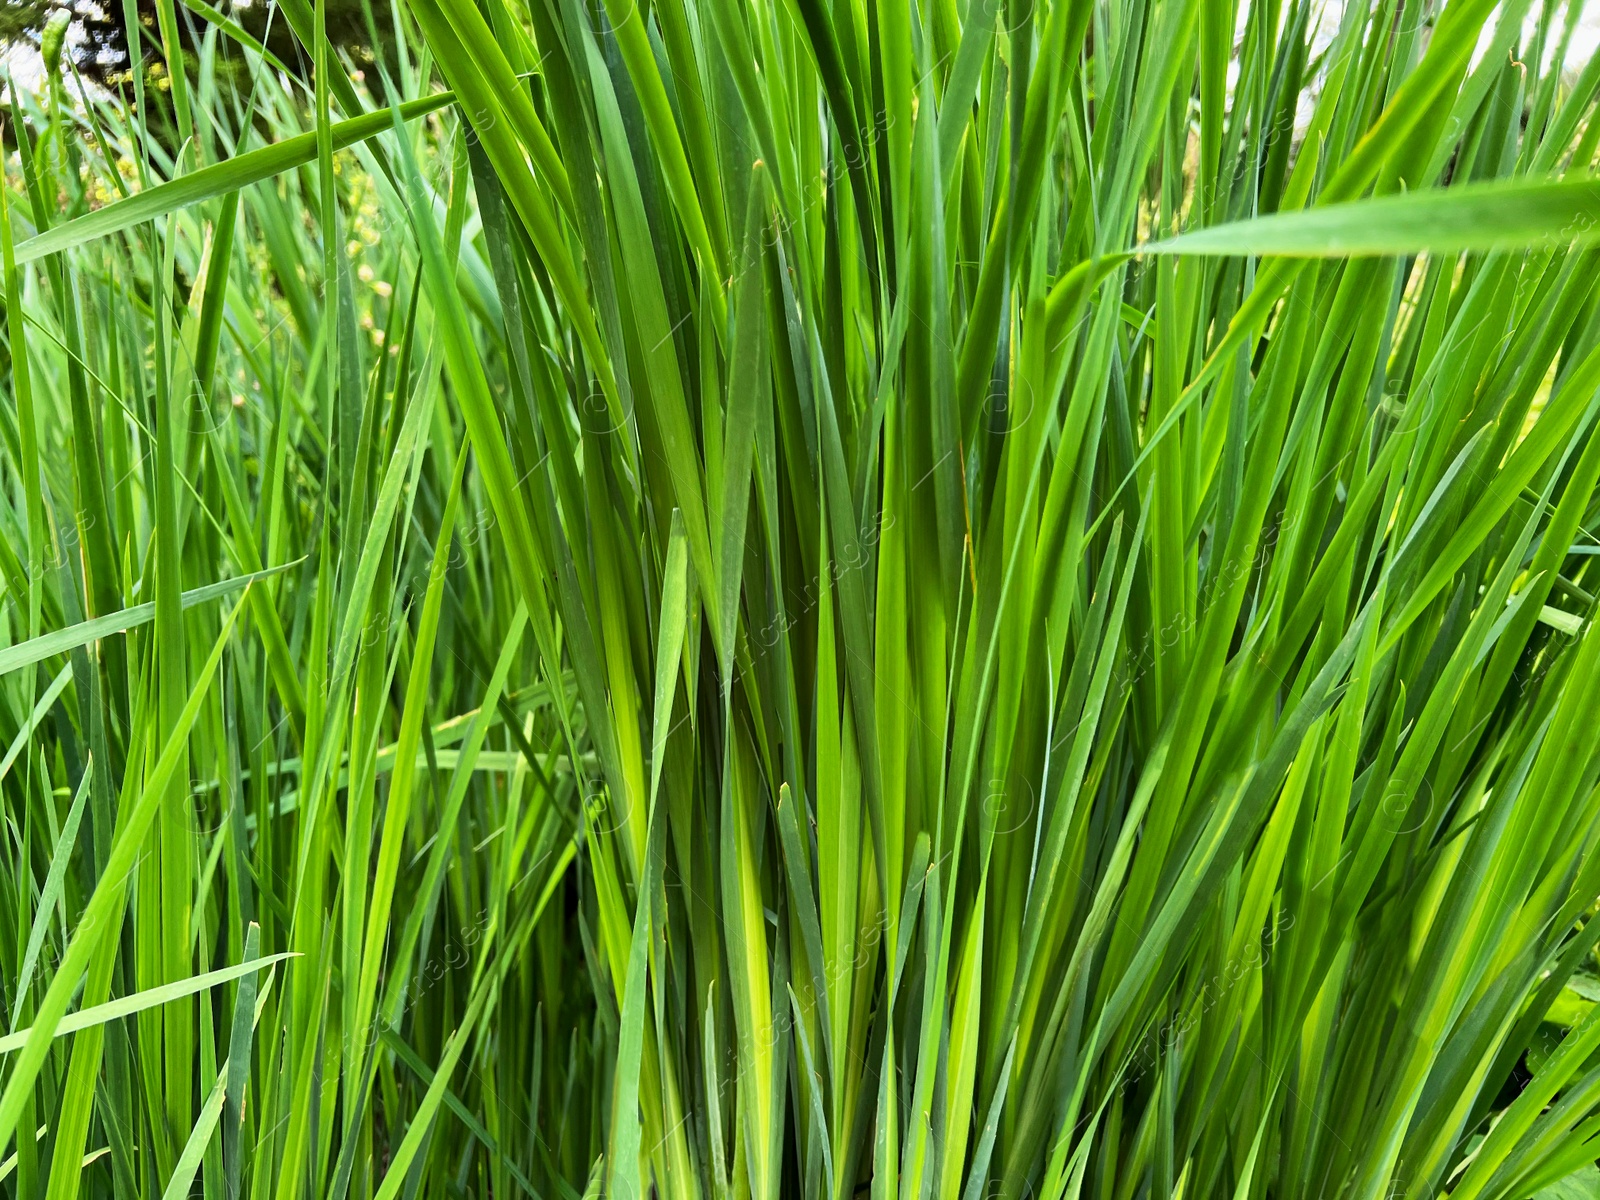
(216, 180)
(62, 641)
(1513, 215)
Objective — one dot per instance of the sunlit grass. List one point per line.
(742, 599)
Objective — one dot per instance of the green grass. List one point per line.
(753, 598)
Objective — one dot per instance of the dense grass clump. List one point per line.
(736, 599)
